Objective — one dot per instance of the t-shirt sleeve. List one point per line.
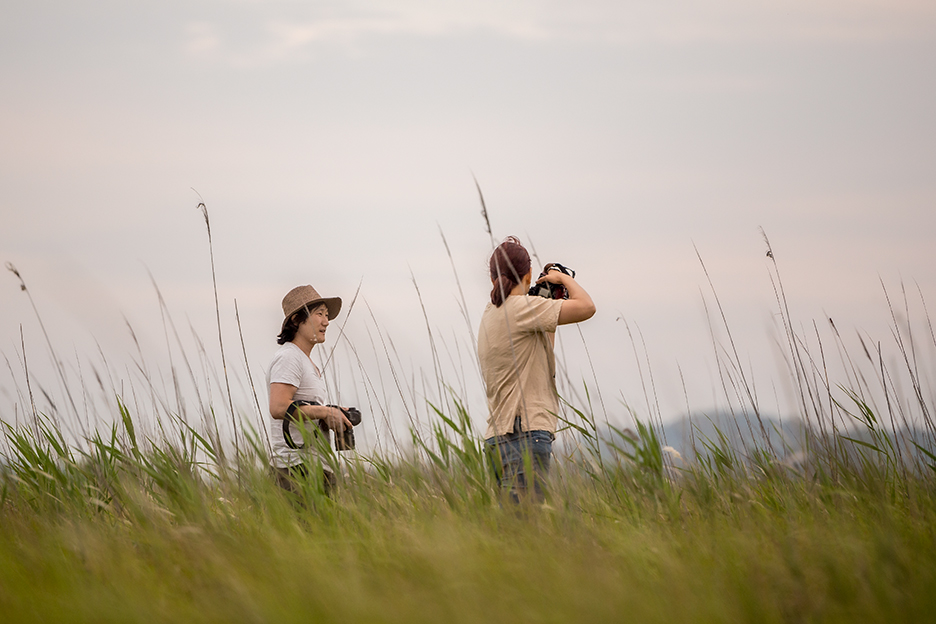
(286, 368)
(538, 314)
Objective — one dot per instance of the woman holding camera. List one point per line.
(295, 381)
(515, 349)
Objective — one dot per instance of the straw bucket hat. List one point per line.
(307, 297)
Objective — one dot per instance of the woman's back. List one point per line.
(517, 363)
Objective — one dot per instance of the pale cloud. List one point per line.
(276, 34)
(710, 82)
(283, 39)
(738, 22)
(201, 38)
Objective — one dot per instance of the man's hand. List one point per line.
(334, 418)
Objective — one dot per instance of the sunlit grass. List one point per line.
(128, 532)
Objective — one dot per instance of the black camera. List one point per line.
(551, 291)
(344, 441)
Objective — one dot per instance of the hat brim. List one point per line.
(332, 303)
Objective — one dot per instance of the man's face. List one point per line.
(313, 328)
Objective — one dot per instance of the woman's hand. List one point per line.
(554, 276)
(579, 306)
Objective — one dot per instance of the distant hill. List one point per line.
(693, 434)
(696, 434)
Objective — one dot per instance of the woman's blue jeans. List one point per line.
(520, 461)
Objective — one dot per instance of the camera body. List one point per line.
(344, 441)
(551, 291)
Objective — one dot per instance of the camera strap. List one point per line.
(294, 414)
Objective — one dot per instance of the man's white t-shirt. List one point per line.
(291, 366)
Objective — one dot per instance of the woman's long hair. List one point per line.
(510, 262)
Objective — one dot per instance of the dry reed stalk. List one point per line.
(214, 282)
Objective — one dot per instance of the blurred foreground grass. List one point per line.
(119, 533)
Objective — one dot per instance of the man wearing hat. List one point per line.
(294, 380)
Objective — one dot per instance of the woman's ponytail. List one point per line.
(502, 287)
(510, 262)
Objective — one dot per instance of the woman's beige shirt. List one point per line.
(518, 364)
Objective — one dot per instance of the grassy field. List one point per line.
(127, 532)
(173, 525)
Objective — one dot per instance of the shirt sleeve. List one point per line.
(538, 314)
(286, 368)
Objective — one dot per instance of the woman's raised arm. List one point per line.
(579, 306)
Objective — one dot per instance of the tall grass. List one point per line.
(132, 530)
(165, 523)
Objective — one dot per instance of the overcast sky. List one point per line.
(334, 143)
